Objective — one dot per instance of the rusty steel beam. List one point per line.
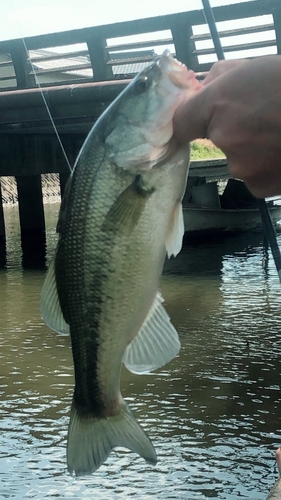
(74, 108)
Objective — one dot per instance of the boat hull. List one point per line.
(210, 220)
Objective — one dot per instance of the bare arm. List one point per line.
(239, 109)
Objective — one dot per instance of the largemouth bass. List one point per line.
(120, 215)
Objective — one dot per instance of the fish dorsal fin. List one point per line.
(175, 232)
(49, 303)
(156, 343)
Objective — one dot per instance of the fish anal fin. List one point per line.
(90, 440)
(49, 303)
(175, 231)
(156, 343)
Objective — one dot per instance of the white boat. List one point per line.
(203, 220)
(235, 210)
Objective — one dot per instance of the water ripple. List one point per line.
(212, 413)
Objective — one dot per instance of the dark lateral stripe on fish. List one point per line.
(87, 393)
(85, 347)
(88, 398)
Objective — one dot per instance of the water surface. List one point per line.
(213, 413)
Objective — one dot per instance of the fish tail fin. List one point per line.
(90, 440)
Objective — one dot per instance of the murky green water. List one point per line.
(213, 413)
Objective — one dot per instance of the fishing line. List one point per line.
(42, 94)
(47, 107)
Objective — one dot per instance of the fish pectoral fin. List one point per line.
(49, 303)
(156, 343)
(90, 440)
(175, 231)
(125, 213)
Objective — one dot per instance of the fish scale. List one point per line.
(121, 213)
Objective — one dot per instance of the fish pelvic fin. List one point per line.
(156, 343)
(175, 232)
(90, 440)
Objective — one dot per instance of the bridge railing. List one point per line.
(118, 51)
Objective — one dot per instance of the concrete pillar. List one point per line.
(2, 233)
(32, 221)
(2, 222)
(63, 181)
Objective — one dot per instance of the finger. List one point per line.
(222, 67)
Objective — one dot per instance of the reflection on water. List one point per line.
(212, 413)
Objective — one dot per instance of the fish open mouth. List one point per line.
(177, 72)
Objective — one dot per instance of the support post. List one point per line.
(184, 45)
(2, 233)
(99, 56)
(63, 181)
(2, 222)
(32, 222)
(277, 25)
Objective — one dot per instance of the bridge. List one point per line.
(78, 73)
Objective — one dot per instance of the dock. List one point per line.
(81, 79)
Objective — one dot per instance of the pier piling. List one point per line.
(32, 221)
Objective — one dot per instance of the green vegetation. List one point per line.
(202, 149)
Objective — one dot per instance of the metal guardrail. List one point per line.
(78, 85)
(96, 61)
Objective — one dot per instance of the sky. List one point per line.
(22, 18)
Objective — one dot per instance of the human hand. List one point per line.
(240, 111)
(221, 67)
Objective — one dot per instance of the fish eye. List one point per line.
(142, 84)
